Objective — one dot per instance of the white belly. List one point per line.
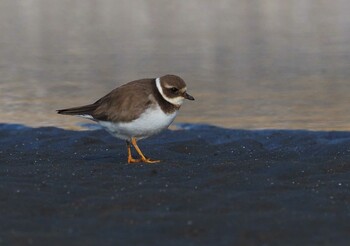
(151, 122)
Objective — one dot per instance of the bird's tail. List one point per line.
(83, 110)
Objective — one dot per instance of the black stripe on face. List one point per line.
(172, 92)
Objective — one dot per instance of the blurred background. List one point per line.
(249, 64)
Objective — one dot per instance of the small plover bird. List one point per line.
(137, 110)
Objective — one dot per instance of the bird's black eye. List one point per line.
(174, 89)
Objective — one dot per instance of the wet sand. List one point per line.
(249, 64)
(215, 186)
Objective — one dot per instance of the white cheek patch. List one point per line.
(176, 100)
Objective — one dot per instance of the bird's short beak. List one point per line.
(188, 96)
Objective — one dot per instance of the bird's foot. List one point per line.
(143, 157)
(145, 160)
(149, 160)
(132, 160)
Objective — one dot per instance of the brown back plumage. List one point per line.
(124, 103)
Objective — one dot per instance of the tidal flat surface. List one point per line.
(214, 186)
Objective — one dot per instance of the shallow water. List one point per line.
(249, 64)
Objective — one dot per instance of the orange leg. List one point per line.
(143, 157)
(130, 158)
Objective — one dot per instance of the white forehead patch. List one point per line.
(170, 86)
(176, 100)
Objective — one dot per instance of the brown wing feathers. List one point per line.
(124, 103)
(121, 104)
